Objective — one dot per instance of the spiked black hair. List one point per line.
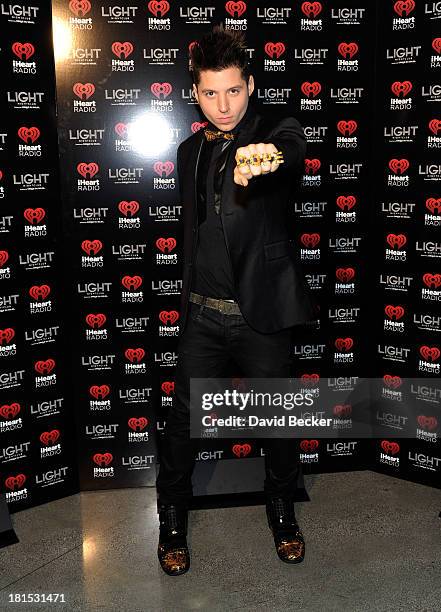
(217, 50)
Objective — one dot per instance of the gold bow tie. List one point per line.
(212, 135)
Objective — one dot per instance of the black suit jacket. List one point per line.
(271, 290)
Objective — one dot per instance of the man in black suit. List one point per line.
(243, 289)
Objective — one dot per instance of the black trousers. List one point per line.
(210, 340)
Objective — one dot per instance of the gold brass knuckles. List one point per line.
(258, 158)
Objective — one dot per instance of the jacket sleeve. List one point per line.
(288, 137)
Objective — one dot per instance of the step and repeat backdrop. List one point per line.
(92, 258)
(38, 445)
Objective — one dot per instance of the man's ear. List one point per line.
(195, 92)
(250, 84)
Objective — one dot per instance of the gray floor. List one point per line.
(373, 543)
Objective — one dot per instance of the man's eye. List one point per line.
(234, 90)
(208, 93)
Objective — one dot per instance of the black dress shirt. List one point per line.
(212, 270)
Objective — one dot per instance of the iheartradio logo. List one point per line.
(347, 127)
(34, 215)
(436, 45)
(39, 292)
(430, 353)
(309, 446)
(428, 423)
(168, 316)
(344, 344)
(311, 9)
(197, 125)
(311, 90)
(128, 209)
(134, 355)
(92, 247)
(345, 275)
(4, 256)
(435, 126)
(122, 50)
(393, 382)
(396, 241)
(241, 450)
(49, 437)
(310, 379)
(434, 205)
(399, 166)
(83, 90)
(401, 88)
(44, 367)
(390, 448)
(166, 244)
(23, 50)
(433, 281)
(102, 459)
(347, 50)
(80, 8)
(310, 240)
(168, 387)
(312, 166)
(89, 170)
(394, 312)
(235, 9)
(274, 50)
(6, 335)
(342, 410)
(15, 482)
(10, 411)
(159, 8)
(99, 392)
(161, 168)
(403, 8)
(122, 130)
(138, 424)
(346, 202)
(161, 89)
(29, 135)
(131, 283)
(95, 321)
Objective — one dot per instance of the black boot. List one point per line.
(173, 553)
(288, 539)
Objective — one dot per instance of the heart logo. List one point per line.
(10, 411)
(309, 446)
(29, 135)
(166, 244)
(274, 49)
(84, 90)
(44, 367)
(430, 353)
(348, 50)
(311, 90)
(393, 382)
(137, 424)
(39, 292)
(4, 256)
(344, 344)
(390, 448)
(163, 167)
(80, 7)
(432, 281)
(87, 170)
(436, 45)
(310, 240)
(342, 410)
(96, 320)
(427, 423)
(311, 9)
(15, 482)
(168, 387)
(345, 275)
(122, 49)
(168, 316)
(396, 241)
(92, 247)
(398, 166)
(49, 437)
(159, 7)
(23, 50)
(310, 379)
(122, 129)
(134, 355)
(99, 391)
(401, 88)
(236, 8)
(103, 459)
(128, 209)
(131, 283)
(161, 89)
(312, 166)
(347, 127)
(403, 8)
(6, 335)
(435, 126)
(34, 215)
(394, 312)
(241, 450)
(434, 205)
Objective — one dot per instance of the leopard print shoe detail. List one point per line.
(290, 548)
(174, 560)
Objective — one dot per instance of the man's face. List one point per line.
(223, 96)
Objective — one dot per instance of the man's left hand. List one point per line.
(243, 174)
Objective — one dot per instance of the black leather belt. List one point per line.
(228, 307)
